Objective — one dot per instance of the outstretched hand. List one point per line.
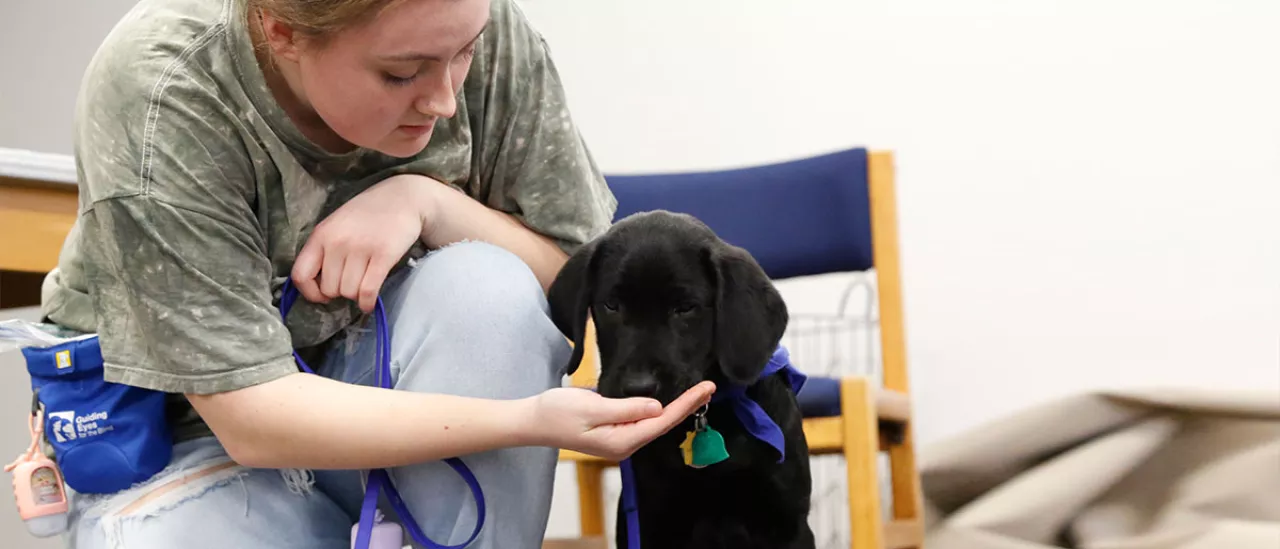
(611, 428)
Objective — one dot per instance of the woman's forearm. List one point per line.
(456, 217)
(308, 421)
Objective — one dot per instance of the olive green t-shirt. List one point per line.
(196, 192)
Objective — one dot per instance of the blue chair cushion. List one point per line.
(803, 217)
(820, 397)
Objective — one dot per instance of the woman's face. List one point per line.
(383, 84)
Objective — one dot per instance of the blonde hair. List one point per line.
(318, 20)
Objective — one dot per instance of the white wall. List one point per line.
(38, 86)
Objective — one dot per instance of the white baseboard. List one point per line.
(37, 166)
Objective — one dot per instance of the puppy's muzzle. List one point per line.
(641, 384)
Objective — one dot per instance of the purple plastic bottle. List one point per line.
(385, 535)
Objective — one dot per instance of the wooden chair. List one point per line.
(829, 213)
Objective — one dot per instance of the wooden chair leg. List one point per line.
(906, 529)
(591, 498)
(861, 448)
(905, 478)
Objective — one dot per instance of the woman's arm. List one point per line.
(308, 421)
(453, 217)
(350, 253)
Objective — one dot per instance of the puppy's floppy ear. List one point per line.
(570, 298)
(750, 313)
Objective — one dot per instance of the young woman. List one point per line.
(420, 150)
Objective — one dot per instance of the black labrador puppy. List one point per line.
(674, 305)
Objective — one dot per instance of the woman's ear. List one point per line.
(570, 298)
(750, 314)
(281, 38)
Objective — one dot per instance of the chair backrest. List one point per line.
(801, 217)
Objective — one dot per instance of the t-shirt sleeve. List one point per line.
(182, 299)
(174, 256)
(533, 161)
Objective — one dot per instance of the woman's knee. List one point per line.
(472, 285)
(479, 305)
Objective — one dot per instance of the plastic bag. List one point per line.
(18, 334)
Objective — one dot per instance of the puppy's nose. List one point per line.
(640, 386)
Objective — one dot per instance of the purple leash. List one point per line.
(629, 505)
(379, 480)
(753, 418)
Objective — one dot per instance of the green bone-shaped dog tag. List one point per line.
(708, 448)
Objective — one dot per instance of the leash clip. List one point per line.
(700, 419)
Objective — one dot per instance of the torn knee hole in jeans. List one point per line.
(298, 481)
(169, 493)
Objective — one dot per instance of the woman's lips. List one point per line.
(416, 130)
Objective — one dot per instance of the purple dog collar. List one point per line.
(752, 416)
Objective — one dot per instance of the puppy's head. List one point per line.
(673, 305)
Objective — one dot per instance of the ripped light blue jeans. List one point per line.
(470, 319)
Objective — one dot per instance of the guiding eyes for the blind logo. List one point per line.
(67, 426)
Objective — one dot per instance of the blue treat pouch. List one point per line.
(106, 436)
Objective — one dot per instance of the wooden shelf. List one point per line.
(34, 222)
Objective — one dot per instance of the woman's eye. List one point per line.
(684, 309)
(398, 80)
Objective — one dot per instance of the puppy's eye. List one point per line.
(611, 305)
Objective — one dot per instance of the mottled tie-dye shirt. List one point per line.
(196, 192)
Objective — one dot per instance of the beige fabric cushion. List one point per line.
(1142, 469)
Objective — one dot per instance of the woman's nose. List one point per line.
(438, 98)
(438, 106)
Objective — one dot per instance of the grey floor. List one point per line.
(15, 401)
